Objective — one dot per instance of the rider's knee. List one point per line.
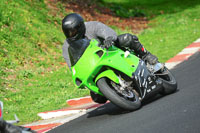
(129, 40)
(125, 40)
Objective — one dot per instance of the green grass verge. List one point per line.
(33, 80)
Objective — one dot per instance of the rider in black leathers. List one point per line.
(75, 28)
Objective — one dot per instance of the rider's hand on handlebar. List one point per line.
(109, 42)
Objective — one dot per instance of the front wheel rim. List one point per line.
(126, 94)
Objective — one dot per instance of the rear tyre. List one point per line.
(169, 82)
(130, 102)
(98, 98)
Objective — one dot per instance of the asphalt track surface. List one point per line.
(175, 113)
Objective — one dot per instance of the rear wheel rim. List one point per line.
(165, 75)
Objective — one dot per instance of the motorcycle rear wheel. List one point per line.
(169, 82)
(120, 100)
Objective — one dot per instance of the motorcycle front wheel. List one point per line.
(128, 99)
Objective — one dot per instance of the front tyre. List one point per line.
(128, 102)
(169, 82)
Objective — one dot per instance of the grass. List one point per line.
(32, 75)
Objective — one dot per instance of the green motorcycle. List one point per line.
(117, 75)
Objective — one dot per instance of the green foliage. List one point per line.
(126, 12)
(25, 74)
(27, 33)
(170, 33)
(25, 30)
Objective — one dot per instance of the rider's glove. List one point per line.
(109, 41)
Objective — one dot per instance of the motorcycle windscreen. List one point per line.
(76, 49)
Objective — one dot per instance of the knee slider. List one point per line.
(135, 44)
(125, 40)
(135, 38)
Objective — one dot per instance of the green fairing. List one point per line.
(88, 67)
(110, 74)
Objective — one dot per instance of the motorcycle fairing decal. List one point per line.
(143, 79)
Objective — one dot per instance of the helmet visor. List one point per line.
(72, 33)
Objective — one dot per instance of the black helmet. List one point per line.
(73, 26)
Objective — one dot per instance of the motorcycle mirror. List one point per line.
(1, 115)
(14, 121)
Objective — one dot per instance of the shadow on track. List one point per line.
(111, 109)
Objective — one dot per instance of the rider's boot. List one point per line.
(146, 55)
(142, 52)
